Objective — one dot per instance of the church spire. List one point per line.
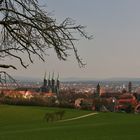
(98, 88)
(53, 83)
(57, 84)
(58, 76)
(49, 81)
(53, 75)
(45, 75)
(45, 80)
(49, 76)
(129, 87)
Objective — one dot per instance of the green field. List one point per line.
(26, 123)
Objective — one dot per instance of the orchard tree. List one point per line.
(26, 28)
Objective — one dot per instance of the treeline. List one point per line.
(36, 101)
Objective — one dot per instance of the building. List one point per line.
(129, 87)
(50, 85)
(96, 92)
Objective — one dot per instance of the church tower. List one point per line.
(57, 85)
(97, 92)
(50, 85)
(98, 88)
(44, 87)
(45, 81)
(53, 83)
(49, 82)
(129, 87)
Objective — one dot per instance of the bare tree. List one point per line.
(26, 28)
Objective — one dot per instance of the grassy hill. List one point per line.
(26, 123)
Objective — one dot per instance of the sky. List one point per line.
(114, 50)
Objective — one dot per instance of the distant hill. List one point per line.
(27, 79)
(122, 79)
(100, 79)
(76, 79)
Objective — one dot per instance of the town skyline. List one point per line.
(58, 83)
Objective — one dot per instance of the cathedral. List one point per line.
(50, 85)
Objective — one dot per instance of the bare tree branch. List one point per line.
(26, 28)
(7, 66)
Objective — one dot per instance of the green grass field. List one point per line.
(26, 123)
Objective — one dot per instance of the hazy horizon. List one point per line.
(69, 79)
(114, 51)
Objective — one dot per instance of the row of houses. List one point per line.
(125, 100)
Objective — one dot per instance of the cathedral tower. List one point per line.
(98, 88)
(53, 83)
(129, 87)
